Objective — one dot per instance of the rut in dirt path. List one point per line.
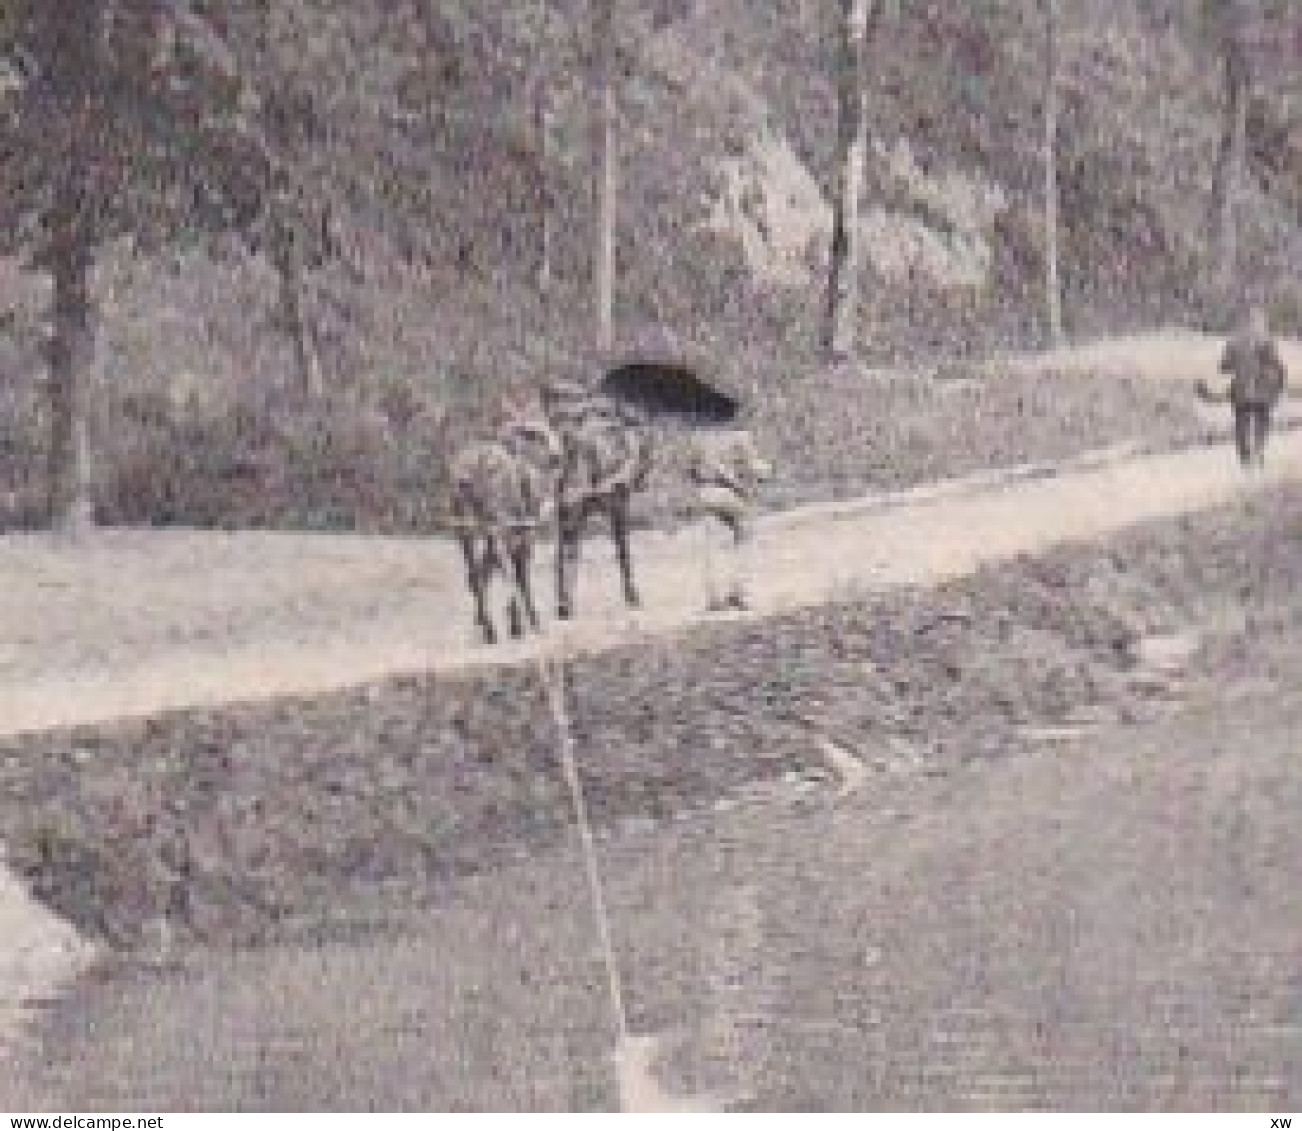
(131, 623)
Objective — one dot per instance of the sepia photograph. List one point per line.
(650, 556)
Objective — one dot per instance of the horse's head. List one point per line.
(533, 440)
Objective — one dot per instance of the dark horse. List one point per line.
(503, 501)
(607, 455)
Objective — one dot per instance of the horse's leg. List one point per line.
(477, 576)
(575, 550)
(514, 605)
(566, 534)
(521, 563)
(619, 529)
(515, 619)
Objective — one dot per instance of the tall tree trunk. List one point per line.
(71, 352)
(542, 126)
(840, 327)
(1053, 289)
(307, 362)
(69, 258)
(286, 260)
(606, 169)
(1229, 166)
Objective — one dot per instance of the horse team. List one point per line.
(554, 467)
(577, 455)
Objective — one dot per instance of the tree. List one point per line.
(125, 119)
(605, 167)
(293, 227)
(297, 238)
(1052, 286)
(839, 330)
(1229, 23)
(542, 123)
(555, 47)
(1255, 43)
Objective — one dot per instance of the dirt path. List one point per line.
(127, 623)
(1163, 355)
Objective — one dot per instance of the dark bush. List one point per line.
(340, 464)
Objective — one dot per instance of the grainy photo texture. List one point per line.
(650, 555)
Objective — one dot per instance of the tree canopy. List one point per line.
(125, 118)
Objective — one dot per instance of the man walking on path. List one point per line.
(1257, 379)
(727, 470)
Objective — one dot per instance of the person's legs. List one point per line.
(725, 507)
(738, 596)
(705, 533)
(1243, 433)
(1262, 416)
